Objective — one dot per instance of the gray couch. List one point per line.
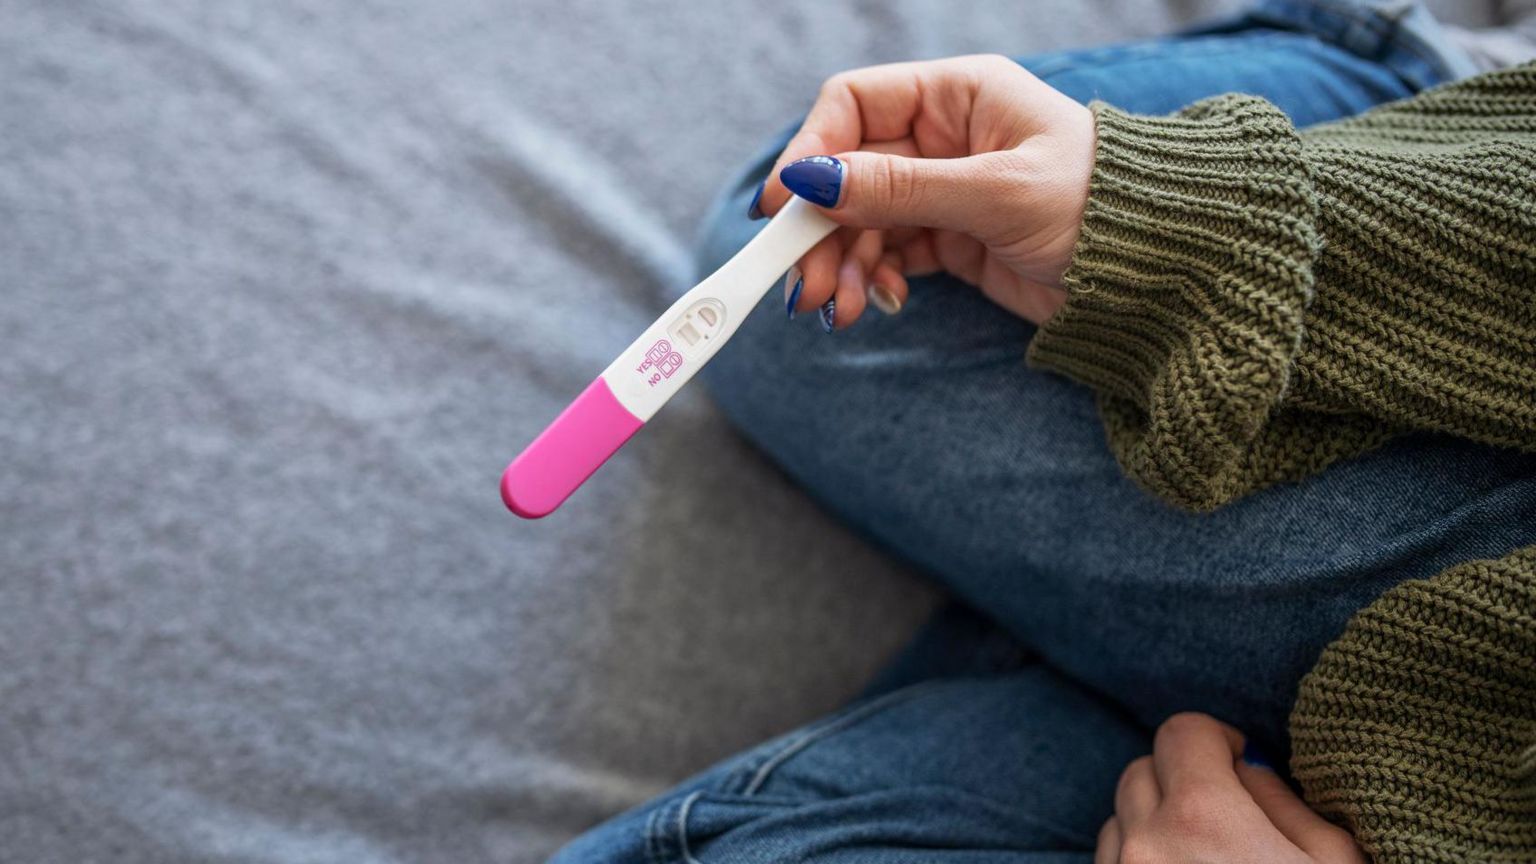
(285, 284)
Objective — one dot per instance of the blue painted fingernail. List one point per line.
(792, 285)
(828, 313)
(817, 179)
(755, 209)
(1255, 757)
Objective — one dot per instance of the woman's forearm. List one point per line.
(1253, 303)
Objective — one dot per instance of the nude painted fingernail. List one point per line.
(793, 283)
(881, 298)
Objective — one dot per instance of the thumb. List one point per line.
(884, 190)
(1323, 841)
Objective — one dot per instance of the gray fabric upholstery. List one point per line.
(284, 286)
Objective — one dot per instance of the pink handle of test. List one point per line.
(581, 439)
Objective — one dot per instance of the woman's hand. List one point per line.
(1195, 799)
(970, 165)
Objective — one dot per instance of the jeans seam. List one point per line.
(682, 827)
(666, 833)
(652, 834)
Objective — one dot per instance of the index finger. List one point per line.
(1196, 750)
(877, 103)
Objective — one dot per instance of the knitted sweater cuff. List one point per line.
(1188, 289)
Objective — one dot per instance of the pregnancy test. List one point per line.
(657, 365)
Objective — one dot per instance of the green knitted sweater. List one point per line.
(1251, 304)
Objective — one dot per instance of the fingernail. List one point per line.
(828, 313)
(1255, 757)
(755, 209)
(793, 282)
(881, 298)
(817, 179)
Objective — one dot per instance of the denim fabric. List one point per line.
(1108, 609)
(1399, 35)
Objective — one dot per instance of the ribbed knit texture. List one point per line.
(1417, 727)
(1252, 303)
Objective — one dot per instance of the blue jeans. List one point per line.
(999, 735)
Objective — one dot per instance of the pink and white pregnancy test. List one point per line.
(652, 369)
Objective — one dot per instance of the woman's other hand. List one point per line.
(1199, 797)
(970, 165)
